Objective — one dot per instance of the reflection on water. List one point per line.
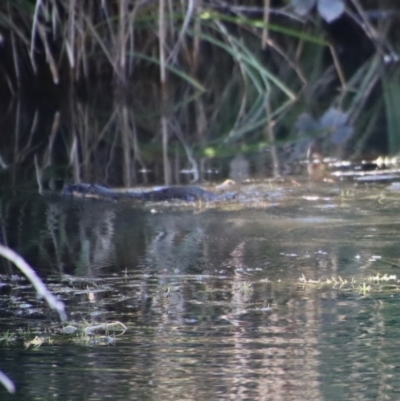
(218, 303)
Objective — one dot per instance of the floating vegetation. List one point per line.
(82, 339)
(364, 288)
(6, 337)
(77, 333)
(208, 289)
(94, 340)
(233, 298)
(168, 289)
(106, 327)
(245, 287)
(347, 194)
(364, 285)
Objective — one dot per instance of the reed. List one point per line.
(183, 75)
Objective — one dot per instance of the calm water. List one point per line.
(272, 301)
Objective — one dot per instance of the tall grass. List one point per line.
(188, 75)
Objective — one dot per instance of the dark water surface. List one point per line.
(283, 297)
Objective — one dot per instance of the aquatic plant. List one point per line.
(245, 287)
(7, 337)
(363, 285)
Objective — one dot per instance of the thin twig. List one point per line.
(41, 289)
(7, 383)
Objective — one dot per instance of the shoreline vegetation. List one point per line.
(133, 91)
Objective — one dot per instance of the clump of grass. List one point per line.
(7, 337)
(245, 287)
(364, 289)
